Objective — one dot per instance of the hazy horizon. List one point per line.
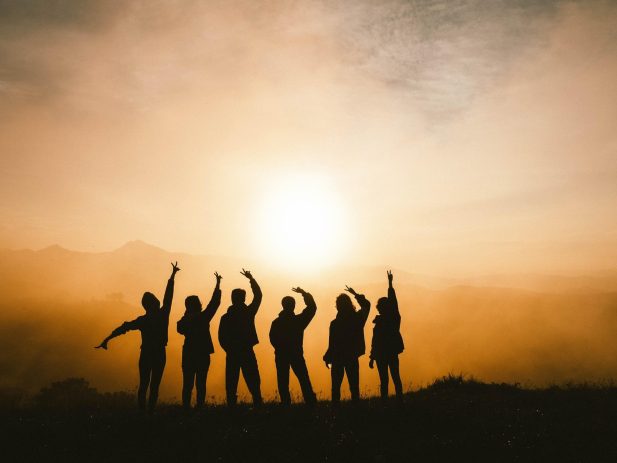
(608, 271)
(472, 144)
(57, 304)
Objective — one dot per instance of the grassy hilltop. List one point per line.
(452, 419)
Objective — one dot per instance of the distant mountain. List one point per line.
(58, 272)
(139, 247)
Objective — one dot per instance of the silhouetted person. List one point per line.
(153, 327)
(346, 343)
(387, 341)
(237, 336)
(287, 337)
(195, 326)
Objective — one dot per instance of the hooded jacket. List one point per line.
(287, 330)
(153, 326)
(387, 339)
(346, 340)
(237, 328)
(196, 327)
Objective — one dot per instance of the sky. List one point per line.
(446, 137)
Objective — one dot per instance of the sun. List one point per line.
(302, 222)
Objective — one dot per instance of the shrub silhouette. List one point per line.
(68, 394)
(461, 382)
(12, 397)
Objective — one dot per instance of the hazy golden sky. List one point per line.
(448, 137)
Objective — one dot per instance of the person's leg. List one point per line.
(232, 374)
(396, 376)
(144, 379)
(382, 368)
(158, 367)
(188, 376)
(250, 371)
(352, 369)
(337, 371)
(200, 381)
(299, 367)
(282, 378)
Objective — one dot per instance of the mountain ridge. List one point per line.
(134, 256)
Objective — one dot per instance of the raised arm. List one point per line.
(365, 305)
(392, 296)
(215, 301)
(122, 329)
(309, 311)
(169, 290)
(253, 307)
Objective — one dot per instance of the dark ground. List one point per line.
(453, 419)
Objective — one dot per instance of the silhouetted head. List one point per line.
(383, 305)
(288, 303)
(238, 296)
(192, 304)
(344, 304)
(150, 302)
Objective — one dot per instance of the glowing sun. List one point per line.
(302, 222)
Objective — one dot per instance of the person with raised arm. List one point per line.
(287, 338)
(387, 341)
(346, 343)
(237, 336)
(195, 326)
(153, 327)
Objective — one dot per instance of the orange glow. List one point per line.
(317, 144)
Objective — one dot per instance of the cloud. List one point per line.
(477, 118)
(439, 55)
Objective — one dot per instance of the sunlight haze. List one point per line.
(470, 146)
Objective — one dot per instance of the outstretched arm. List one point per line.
(309, 311)
(254, 305)
(122, 329)
(215, 301)
(365, 305)
(392, 296)
(169, 290)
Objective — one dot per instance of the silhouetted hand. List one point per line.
(298, 290)
(390, 277)
(174, 269)
(371, 363)
(327, 364)
(247, 274)
(218, 277)
(350, 290)
(102, 345)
